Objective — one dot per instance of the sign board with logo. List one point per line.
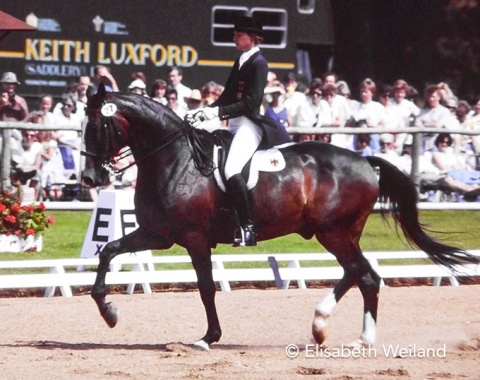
(151, 36)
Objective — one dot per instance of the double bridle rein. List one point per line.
(202, 160)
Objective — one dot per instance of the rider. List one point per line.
(240, 103)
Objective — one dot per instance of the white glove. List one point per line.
(199, 115)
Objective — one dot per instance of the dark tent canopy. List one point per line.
(9, 23)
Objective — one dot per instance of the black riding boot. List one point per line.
(238, 192)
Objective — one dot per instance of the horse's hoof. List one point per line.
(319, 330)
(201, 345)
(110, 315)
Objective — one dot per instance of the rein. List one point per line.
(200, 156)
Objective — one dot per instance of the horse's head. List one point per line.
(104, 134)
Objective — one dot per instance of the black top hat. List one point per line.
(248, 25)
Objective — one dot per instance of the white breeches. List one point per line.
(246, 139)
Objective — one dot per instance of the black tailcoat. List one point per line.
(243, 95)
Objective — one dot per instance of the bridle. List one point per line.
(200, 156)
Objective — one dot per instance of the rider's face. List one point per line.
(243, 41)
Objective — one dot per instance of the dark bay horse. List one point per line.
(324, 191)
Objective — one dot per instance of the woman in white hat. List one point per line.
(240, 104)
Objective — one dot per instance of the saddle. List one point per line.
(263, 160)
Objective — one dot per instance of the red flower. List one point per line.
(28, 209)
(50, 220)
(15, 208)
(2, 207)
(30, 231)
(10, 219)
(41, 206)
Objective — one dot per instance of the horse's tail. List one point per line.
(399, 190)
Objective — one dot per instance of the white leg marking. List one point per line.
(323, 310)
(202, 344)
(325, 307)
(369, 333)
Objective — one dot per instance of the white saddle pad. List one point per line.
(270, 160)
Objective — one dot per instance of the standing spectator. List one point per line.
(407, 109)
(102, 74)
(172, 102)
(211, 92)
(69, 140)
(293, 97)
(27, 161)
(52, 166)
(83, 83)
(314, 111)
(158, 91)
(400, 111)
(138, 87)
(368, 112)
(340, 104)
(175, 78)
(12, 108)
(194, 101)
(433, 115)
(46, 104)
(139, 75)
(276, 109)
(336, 109)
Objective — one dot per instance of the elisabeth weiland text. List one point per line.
(347, 352)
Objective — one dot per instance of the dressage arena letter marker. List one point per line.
(112, 218)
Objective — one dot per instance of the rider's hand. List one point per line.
(201, 114)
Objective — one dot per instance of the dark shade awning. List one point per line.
(9, 24)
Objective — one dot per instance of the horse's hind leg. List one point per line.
(357, 270)
(203, 268)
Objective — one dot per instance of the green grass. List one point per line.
(65, 238)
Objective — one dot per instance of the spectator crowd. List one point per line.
(48, 161)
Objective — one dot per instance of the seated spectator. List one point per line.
(454, 166)
(473, 122)
(388, 149)
(431, 178)
(362, 145)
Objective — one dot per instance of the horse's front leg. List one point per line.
(203, 268)
(99, 289)
(134, 242)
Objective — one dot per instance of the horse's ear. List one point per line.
(90, 92)
(101, 90)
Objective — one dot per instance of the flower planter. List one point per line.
(12, 243)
